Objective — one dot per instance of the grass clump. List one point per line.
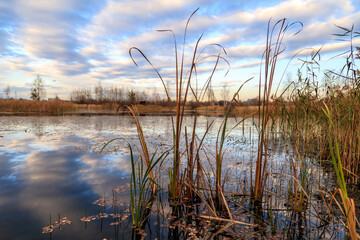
(142, 187)
(348, 203)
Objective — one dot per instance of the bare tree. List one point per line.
(113, 95)
(38, 91)
(155, 96)
(81, 95)
(7, 91)
(119, 92)
(210, 94)
(225, 92)
(143, 96)
(99, 92)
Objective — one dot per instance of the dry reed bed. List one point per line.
(55, 107)
(345, 111)
(192, 183)
(59, 107)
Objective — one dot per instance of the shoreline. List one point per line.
(13, 107)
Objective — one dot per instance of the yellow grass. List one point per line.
(211, 108)
(56, 107)
(244, 110)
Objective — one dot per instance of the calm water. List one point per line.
(51, 166)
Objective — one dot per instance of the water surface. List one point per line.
(51, 167)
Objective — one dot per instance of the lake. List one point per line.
(51, 168)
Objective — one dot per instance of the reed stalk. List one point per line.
(142, 187)
(183, 87)
(274, 47)
(348, 203)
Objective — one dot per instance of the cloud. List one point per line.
(134, 17)
(19, 64)
(7, 25)
(49, 30)
(72, 69)
(89, 41)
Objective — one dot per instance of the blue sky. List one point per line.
(77, 43)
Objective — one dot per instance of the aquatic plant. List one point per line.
(183, 87)
(142, 187)
(274, 47)
(222, 134)
(301, 124)
(348, 203)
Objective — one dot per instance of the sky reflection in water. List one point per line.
(46, 168)
(52, 165)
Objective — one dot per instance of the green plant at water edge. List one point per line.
(348, 203)
(141, 194)
(144, 151)
(143, 187)
(219, 196)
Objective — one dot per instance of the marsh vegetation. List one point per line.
(317, 127)
(288, 169)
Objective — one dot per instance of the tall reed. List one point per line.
(222, 135)
(348, 203)
(274, 47)
(299, 112)
(144, 149)
(183, 87)
(340, 92)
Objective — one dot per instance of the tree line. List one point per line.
(120, 95)
(37, 90)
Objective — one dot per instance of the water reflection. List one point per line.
(38, 128)
(52, 165)
(44, 171)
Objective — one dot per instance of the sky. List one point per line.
(81, 43)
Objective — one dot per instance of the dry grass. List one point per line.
(56, 107)
(245, 110)
(59, 107)
(274, 47)
(155, 109)
(211, 109)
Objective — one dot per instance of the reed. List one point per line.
(327, 127)
(193, 147)
(341, 95)
(142, 187)
(183, 87)
(55, 107)
(223, 133)
(144, 149)
(304, 127)
(348, 203)
(274, 47)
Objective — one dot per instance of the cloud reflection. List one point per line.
(39, 177)
(63, 172)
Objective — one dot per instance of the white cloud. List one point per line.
(89, 41)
